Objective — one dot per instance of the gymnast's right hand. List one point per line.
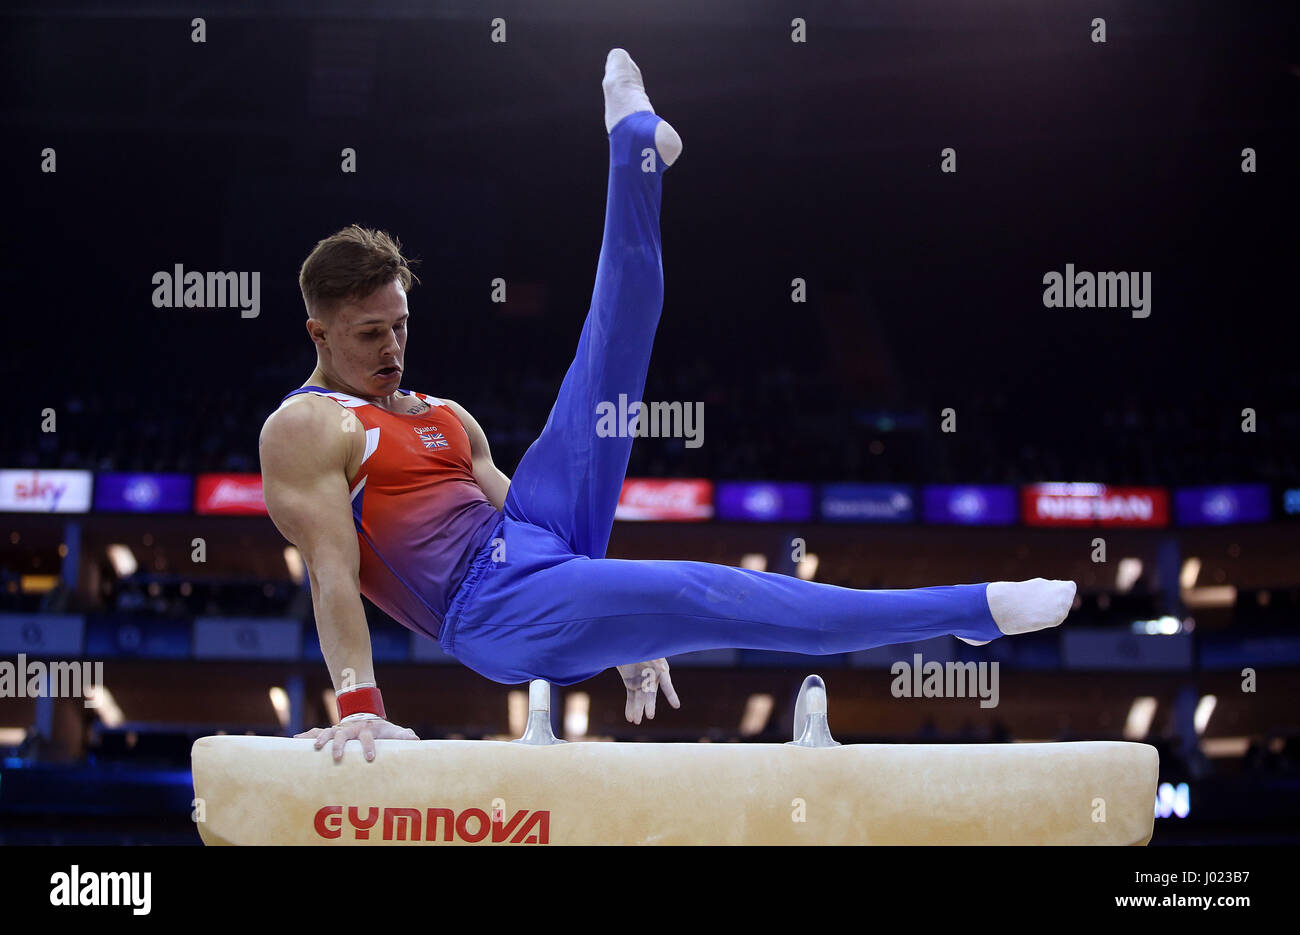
(643, 681)
(367, 731)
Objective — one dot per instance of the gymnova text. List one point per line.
(179, 289)
(1098, 290)
(951, 680)
(51, 680)
(651, 420)
(103, 889)
(403, 824)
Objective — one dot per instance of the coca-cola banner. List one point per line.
(230, 494)
(1094, 505)
(675, 500)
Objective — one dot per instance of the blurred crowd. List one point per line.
(780, 424)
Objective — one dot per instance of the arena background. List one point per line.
(817, 161)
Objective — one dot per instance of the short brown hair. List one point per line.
(351, 265)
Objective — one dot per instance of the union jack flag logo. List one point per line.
(432, 437)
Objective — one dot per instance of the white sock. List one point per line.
(1025, 606)
(625, 94)
(624, 90)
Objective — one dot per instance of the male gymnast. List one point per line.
(393, 494)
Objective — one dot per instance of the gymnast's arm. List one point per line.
(494, 483)
(304, 452)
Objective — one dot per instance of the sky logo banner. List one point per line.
(45, 491)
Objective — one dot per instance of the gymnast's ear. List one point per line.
(320, 318)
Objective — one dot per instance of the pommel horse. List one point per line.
(541, 790)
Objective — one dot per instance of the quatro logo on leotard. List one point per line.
(431, 436)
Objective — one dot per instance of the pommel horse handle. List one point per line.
(810, 725)
(537, 731)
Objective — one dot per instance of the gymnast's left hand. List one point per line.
(366, 731)
(642, 680)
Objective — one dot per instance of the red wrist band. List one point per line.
(365, 700)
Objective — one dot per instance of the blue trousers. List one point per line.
(542, 601)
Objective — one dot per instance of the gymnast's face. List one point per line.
(362, 345)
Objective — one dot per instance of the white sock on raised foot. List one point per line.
(1025, 606)
(625, 94)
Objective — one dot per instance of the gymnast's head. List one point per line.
(354, 284)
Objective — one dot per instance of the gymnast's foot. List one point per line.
(625, 94)
(1024, 606)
